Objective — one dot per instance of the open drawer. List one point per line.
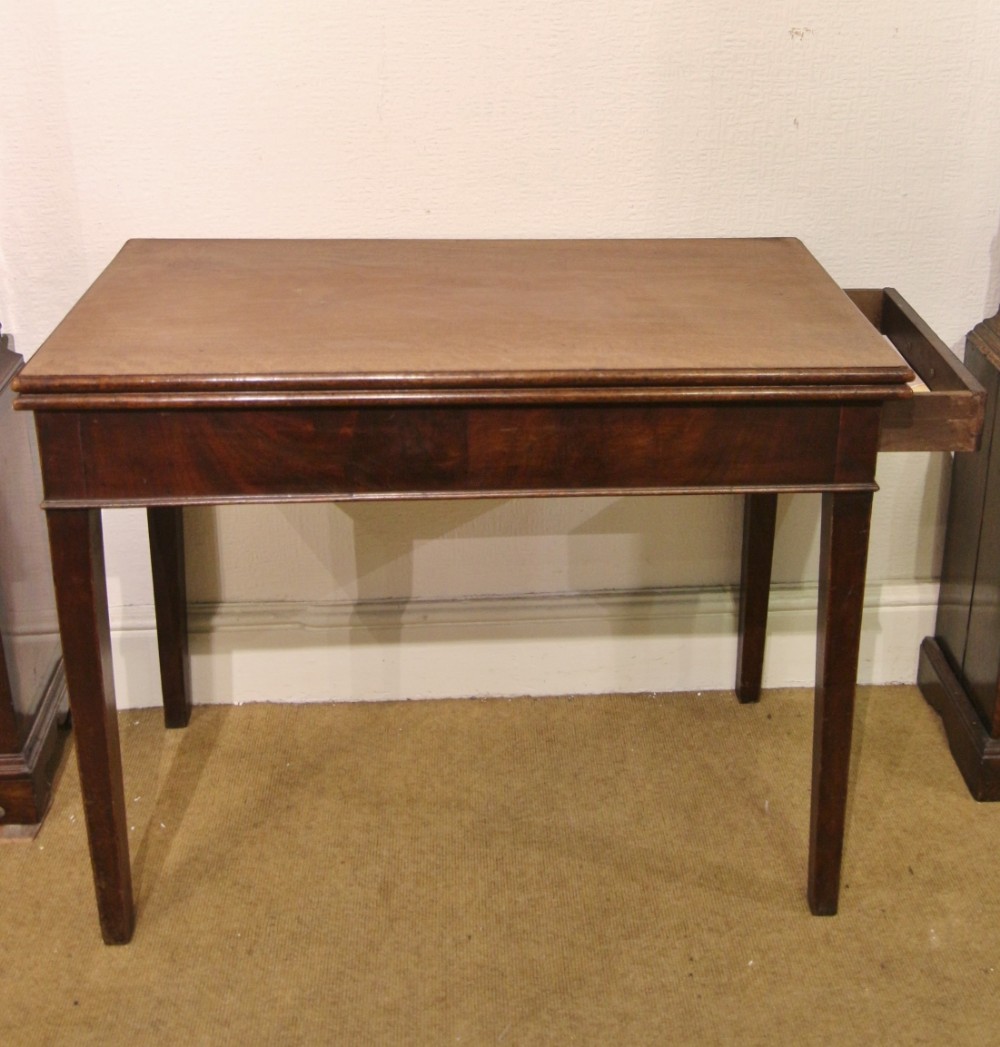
(945, 412)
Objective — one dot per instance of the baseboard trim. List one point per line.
(564, 643)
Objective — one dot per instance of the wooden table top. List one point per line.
(179, 316)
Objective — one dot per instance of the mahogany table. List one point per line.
(207, 372)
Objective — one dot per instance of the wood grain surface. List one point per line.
(183, 315)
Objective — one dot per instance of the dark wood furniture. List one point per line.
(32, 687)
(960, 664)
(237, 371)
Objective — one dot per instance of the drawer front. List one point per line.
(945, 412)
(189, 456)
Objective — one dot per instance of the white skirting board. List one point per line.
(592, 643)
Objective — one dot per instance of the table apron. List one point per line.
(122, 457)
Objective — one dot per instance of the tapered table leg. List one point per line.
(843, 556)
(759, 514)
(81, 598)
(166, 546)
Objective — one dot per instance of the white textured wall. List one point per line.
(870, 131)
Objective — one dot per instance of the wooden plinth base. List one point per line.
(975, 751)
(26, 776)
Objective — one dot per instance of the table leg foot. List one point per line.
(843, 555)
(166, 546)
(759, 514)
(77, 548)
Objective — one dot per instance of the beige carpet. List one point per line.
(614, 870)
